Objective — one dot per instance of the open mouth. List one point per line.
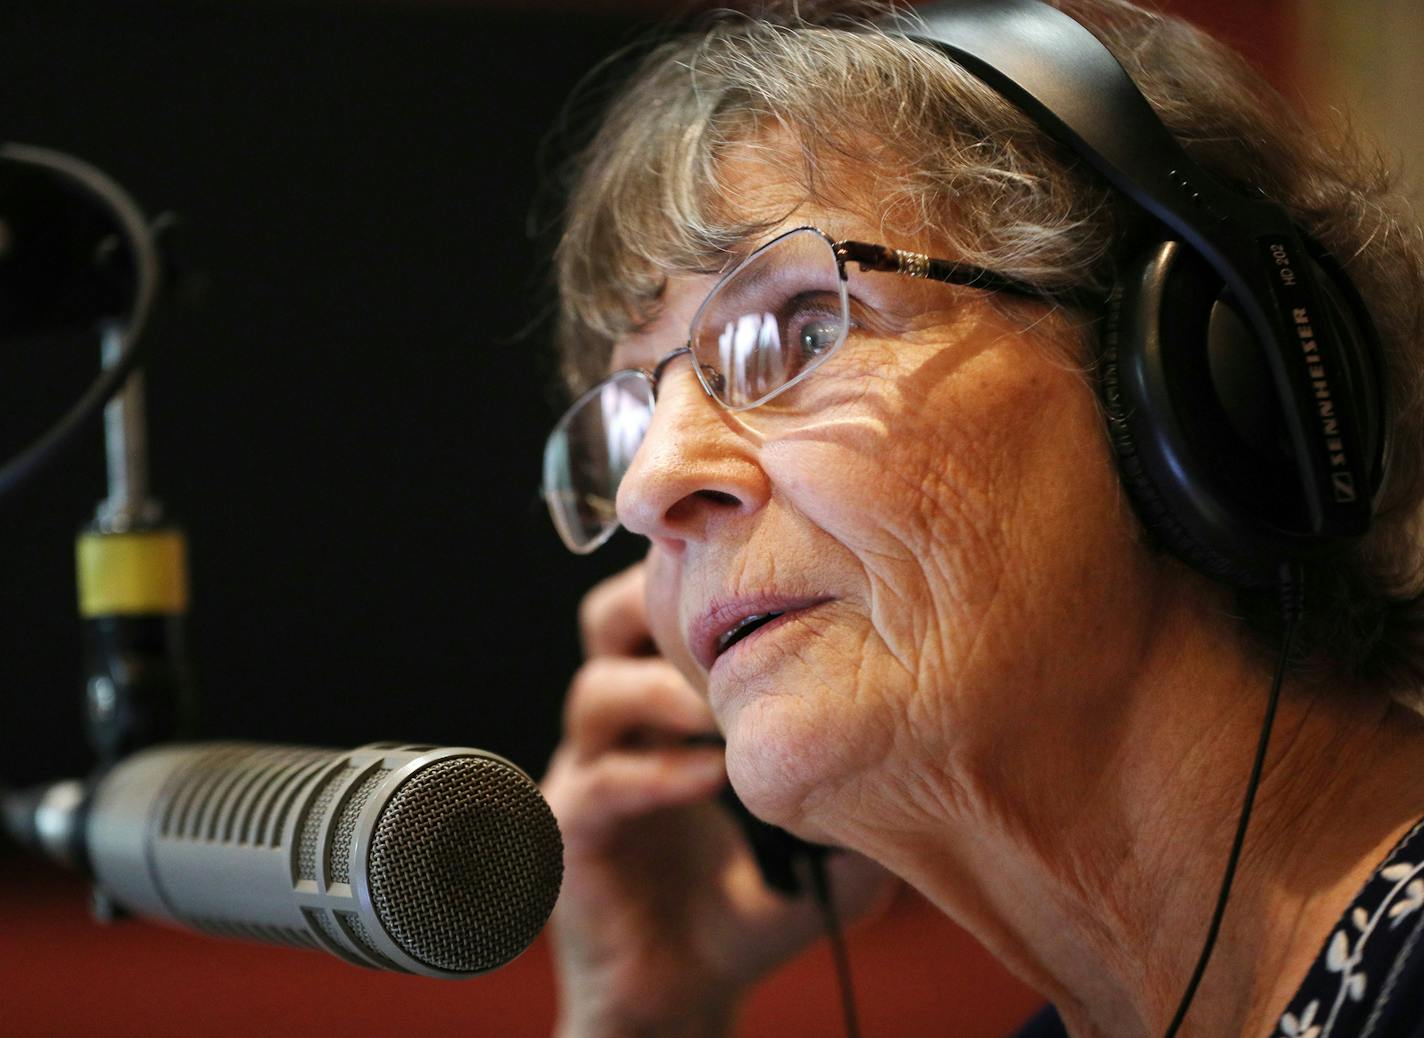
(723, 626)
(744, 627)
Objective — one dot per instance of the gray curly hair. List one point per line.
(947, 157)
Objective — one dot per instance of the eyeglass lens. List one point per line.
(764, 326)
(588, 452)
(771, 320)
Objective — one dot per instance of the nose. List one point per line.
(696, 471)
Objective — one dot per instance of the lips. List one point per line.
(725, 623)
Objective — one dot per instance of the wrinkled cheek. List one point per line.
(861, 495)
(930, 528)
(919, 523)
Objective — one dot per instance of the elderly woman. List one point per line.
(893, 563)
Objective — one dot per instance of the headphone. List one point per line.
(1240, 371)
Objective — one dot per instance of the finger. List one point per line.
(613, 620)
(591, 801)
(623, 702)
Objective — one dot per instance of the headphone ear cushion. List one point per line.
(1165, 314)
(1152, 510)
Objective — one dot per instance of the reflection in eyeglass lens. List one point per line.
(773, 319)
(750, 355)
(626, 414)
(588, 454)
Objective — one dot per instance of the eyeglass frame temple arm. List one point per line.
(870, 256)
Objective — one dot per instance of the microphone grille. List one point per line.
(465, 864)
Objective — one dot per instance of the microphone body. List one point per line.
(444, 862)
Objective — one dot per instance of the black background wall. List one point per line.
(349, 426)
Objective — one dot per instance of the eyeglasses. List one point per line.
(766, 325)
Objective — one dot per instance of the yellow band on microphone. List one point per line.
(132, 573)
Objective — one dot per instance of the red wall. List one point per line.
(1265, 31)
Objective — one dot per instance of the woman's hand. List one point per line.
(663, 920)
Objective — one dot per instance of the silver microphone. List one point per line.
(444, 862)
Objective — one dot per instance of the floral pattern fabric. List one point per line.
(1368, 981)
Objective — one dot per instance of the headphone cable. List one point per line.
(1292, 608)
(821, 891)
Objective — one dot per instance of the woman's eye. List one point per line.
(819, 335)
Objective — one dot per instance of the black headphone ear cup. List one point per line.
(1196, 420)
(1151, 508)
(1187, 456)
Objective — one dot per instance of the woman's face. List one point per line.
(934, 514)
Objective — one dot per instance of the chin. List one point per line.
(780, 758)
(799, 725)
